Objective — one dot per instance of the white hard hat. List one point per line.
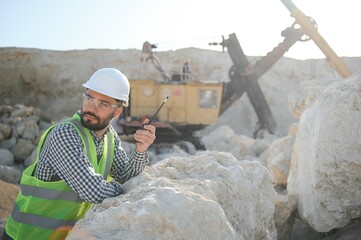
(110, 82)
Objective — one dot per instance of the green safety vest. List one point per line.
(49, 210)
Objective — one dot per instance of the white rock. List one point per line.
(220, 134)
(326, 165)
(10, 174)
(280, 159)
(224, 139)
(6, 157)
(22, 150)
(284, 219)
(306, 94)
(207, 196)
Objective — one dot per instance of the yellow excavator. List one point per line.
(195, 104)
(191, 104)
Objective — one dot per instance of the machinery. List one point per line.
(310, 27)
(191, 104)
(195, 104)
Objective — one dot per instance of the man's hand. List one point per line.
(144, 137)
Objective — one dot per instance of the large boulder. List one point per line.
(326, 164)
(208, 196)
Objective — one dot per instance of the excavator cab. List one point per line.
(191, 105)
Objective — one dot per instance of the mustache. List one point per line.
(91, 114)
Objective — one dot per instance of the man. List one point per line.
(75, 163)
(186, 71)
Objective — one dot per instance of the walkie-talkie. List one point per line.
(155, 114)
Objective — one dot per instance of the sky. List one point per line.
(174, 24)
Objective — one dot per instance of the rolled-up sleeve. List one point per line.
(125, 167)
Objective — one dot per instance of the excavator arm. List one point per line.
(244, 75)
(234, 89)
(307, 25)
(149, 54)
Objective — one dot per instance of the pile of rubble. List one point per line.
(20, 129)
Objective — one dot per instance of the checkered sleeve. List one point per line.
(63, 153)
(125, 167)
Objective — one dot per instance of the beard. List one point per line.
(99, 123)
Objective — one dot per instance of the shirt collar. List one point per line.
(94, 136)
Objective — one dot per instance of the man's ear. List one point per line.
(118, 112)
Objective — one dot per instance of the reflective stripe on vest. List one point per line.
(50, 194)
(39, 221)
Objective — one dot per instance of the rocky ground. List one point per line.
(301, 183)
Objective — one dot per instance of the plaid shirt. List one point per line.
(62, 157)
